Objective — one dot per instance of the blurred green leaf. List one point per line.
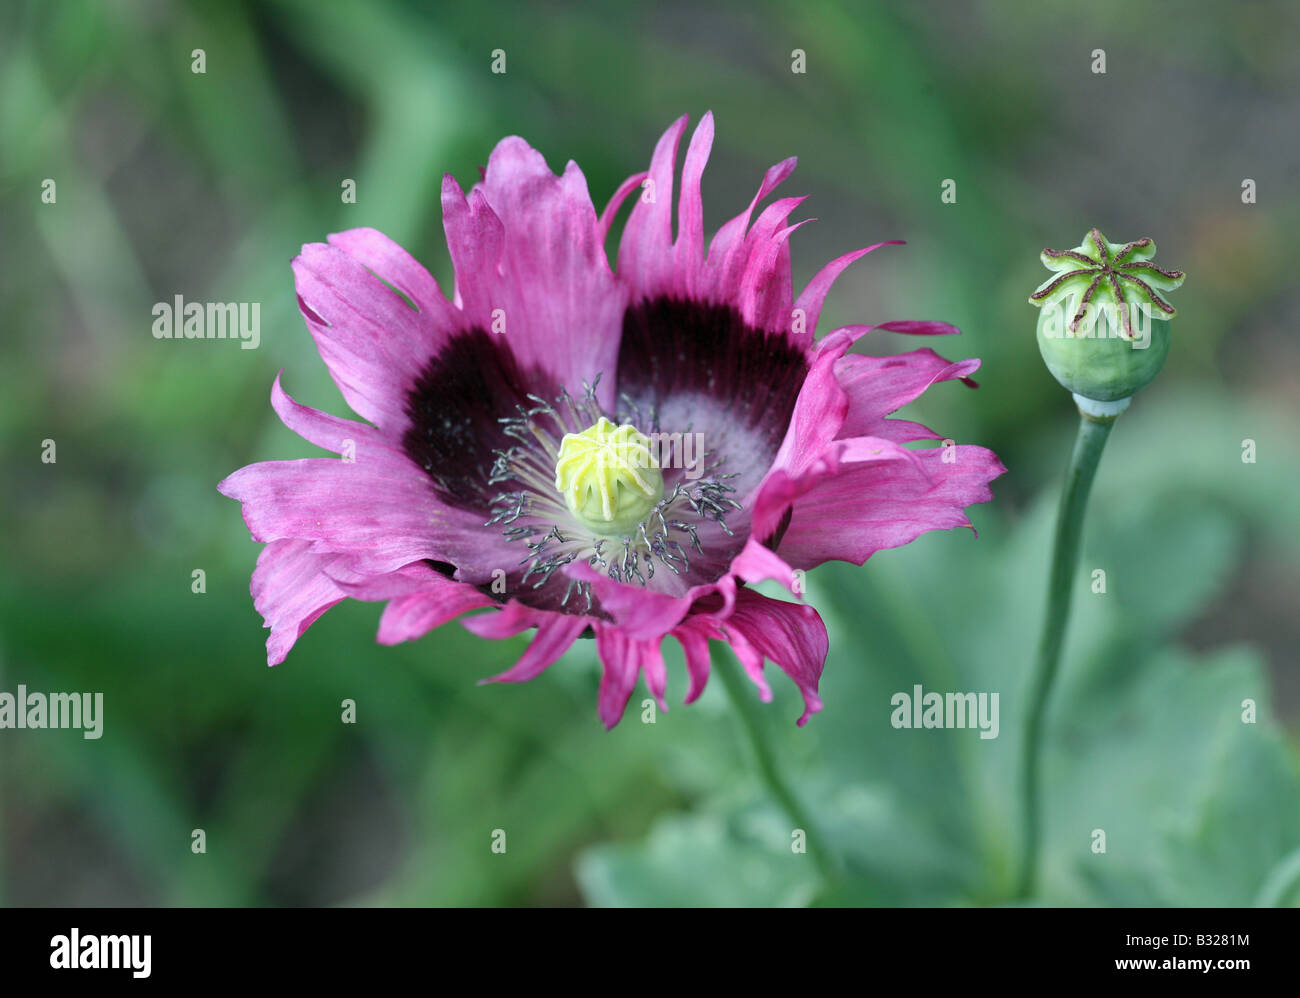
(1145, 742)
(699, 861)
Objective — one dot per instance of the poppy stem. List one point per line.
(742, 698)
(1094, 429)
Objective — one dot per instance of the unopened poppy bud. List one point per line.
(1103, 328)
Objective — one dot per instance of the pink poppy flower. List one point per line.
(587, 451)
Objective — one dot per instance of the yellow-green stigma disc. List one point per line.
(608, 477)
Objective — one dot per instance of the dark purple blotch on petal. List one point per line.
(701, 363)
(455, 409)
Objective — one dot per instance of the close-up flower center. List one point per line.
(645, 483)
(609, 477)
(648, 439)
(605, 500)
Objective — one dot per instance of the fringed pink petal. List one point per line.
(774, 505)
(645, 257)
(620, 195)
(688, 252)
(561, 305)
(920, 328)
(767, 285)
(556, 633)
(693, 634)
(790, 634)
(812, 298)
(373, 342)
(733, 231)
(414, 615)
(747, 257)
(291, 590)
(819, 411)
(756, 563)
(884, 496)
(512, 619)
(623, 659)
(476, 242)
(416, 577)
(378, 510)
(656, 675)
(638, 611)
(750, 659)
(879, 386)
(320, 428)
(393, 265)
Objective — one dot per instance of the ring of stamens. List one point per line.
(663, 525)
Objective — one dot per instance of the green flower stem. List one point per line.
(1088, 445)
(740, 690)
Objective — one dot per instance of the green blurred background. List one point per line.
(206, 185)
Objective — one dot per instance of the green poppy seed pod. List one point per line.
(1103, 328)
